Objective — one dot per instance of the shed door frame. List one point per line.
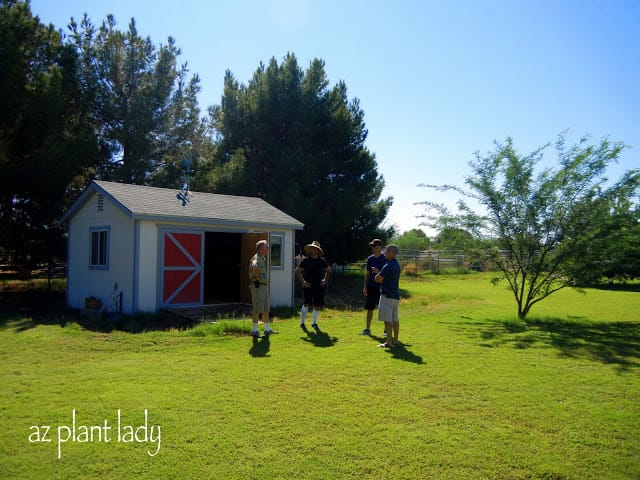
(181, 279)
(191, 268)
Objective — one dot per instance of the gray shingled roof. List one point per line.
(163, 203)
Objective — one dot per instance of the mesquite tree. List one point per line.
(540, 222)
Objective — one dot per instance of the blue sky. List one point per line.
(437, 80)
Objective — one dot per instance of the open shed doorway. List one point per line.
(222, 269)
(226, 266)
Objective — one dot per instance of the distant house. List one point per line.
(166, 248)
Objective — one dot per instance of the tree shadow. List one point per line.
(606, 342)
(618, 287)
(260, 346)
(318, 338)
(24, 307)
(24, 319)
(21, 321)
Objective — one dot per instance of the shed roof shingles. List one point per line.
(163, 202)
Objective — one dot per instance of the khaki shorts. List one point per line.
(388, 309)
(260, 298)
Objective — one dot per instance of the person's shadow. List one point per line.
(260, 346)
(318, 338)
(400, 352)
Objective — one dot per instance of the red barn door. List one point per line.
(181, 268)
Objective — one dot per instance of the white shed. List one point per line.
(161, 248)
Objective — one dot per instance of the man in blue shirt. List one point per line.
(389, 278)
(371, 289)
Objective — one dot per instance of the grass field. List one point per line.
(471, 394)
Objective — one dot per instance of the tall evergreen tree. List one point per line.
(144, 106)
(291, 139)
(46, 138)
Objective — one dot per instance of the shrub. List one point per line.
(411, 269)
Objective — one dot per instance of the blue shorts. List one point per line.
(373, 297)
(314, 296)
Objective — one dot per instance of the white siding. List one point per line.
(282, 279)
(134, 262)
(147, 270)
(84, 281)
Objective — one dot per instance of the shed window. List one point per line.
(99, 248)
(276, 251)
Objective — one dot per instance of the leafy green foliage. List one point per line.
(414, 239)
(454, 239)
(610, 246)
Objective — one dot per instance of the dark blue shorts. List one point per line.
(373, 297)
(314, 296)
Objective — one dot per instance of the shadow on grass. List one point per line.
(607, 342)
(105, 323)
(260, 347)
(26, 305)
(400, 352)
(318, 338)
(618, 287)
(284, 313)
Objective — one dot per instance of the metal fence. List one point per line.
(416, 261)
(31, 266)
(436, 261)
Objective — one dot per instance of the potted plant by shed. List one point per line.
(92, 303)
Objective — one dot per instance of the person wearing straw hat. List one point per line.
(313, 272)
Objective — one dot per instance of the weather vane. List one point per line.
(184, 194)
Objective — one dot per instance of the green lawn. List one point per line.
(471, 394)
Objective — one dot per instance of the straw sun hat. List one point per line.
(313, 245)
